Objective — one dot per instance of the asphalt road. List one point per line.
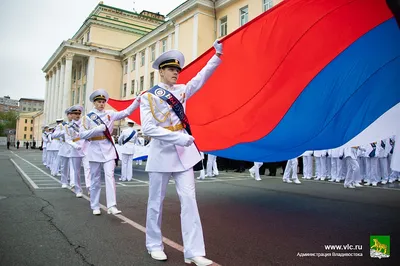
(245, 222)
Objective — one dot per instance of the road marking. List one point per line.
(138, 226)
(24, 175)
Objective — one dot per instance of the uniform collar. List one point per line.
(165, 86)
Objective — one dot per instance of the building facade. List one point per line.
(114, 49)
(31, 105)
(24, 127)
(8, 104)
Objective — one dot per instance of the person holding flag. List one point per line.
(97, 127)
(173, 153)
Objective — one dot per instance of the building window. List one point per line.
(141, 83)
(31, 128)
(78, 95)
(223, 26)
(24, 136)
(73, 98)
(30, 136)
(88, 36)
(267, 4)
(132, 86)
(32, 121)
(29, 109)
(26, 121)
(164, 45)
(125, 66)
(25, 128)
(82, 40)
(74, 75)
(34, 109)
(142, 58)
(244, 15)
(24, 109)
(153, 52)
(133, 62)
(151, 79)
(79, 72)
(124, 91)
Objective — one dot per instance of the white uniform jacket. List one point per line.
(350, 152)
(336, 152)
(166, 151)
(102, 150)
(320, 153)
(55, 141)
(129, 147)
(64, 150)
(395, 163)
(45, 140)
(72, 139)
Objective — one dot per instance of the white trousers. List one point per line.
(353, 169)
(64, 161)
(212, 168)
(384, 170)
(71, 173)
(374, 170)
(192, 231)
(51, 156)
(95, 188)
(126, 167)
(336, 168)
(86, 169)
(291, 168)
(75, 163)
(255, 169)
(44, 156)
(328, 164)
(55, 167)
(307, 166)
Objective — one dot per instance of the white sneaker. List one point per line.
(113, 210)
(79, 195)
(374, 184)
(72, 185)
(357, 185)
(58, 174)
(349, 186)
(367, 184)
(200, 177)
(258, 179)
(251, 173)
(64, 186)
(322, 178)
(383, 182)
(199, 261)
(96, 212)
(158, 255)
(296, 181)
(287, 181)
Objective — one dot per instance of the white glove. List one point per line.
(189, 140)
(76, 146)
(218, 47)
(102, 127)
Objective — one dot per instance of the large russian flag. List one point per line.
(305, 75)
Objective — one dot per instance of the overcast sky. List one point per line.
(31, 30)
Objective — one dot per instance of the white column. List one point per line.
(46, 99)
(89, 83)
(61, 90)
(49, 110)
(53, 97)
(57, 93)
(169, 42)
(146, 69)
(128, 78)
(137, 78)
(156, 75)
(195, 33)
(67, 80)
(176, 37)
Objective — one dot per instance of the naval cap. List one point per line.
(99, 94)
(172, 58)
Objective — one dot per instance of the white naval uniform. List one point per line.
(102, 152)
(127, 152)
(44, 147)
(168, 157)
(382, 154)
(307, 164)
(336, 163)
(52, 150)
(353, 168)
(320, 164)
(255, 170)
(57, 142)
(211, 167)
(290, 170)
(64, 152)
(76, 152)
(140, 142)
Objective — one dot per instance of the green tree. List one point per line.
(8, 120)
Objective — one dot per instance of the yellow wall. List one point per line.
(20, 129)
(186, 39)
(108, 76)
(205, 36)
(38, 123)
(113, 39)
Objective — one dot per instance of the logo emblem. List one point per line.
(160, 92)
(379, 246)
(93, 117)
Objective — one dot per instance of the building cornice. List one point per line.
(222, 3)
(75, 45)
(187, 6)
